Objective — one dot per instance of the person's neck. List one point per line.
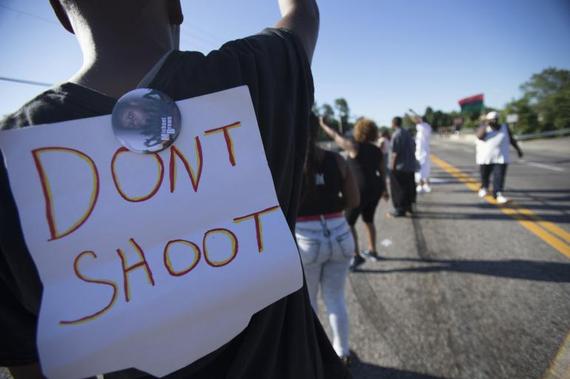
(114, 75)
(113, 66)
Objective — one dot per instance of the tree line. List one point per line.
(544, 105)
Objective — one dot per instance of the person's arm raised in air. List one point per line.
(301, 17)
(342, 142)
(514, 142)
(349, 188)
(481, 131)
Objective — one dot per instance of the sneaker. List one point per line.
(482, 192)
(372, 255)
(394, 214)
(427, 188)
(501, 199)
(419, 189)
(356, 262)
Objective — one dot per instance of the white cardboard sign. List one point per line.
(149, 261)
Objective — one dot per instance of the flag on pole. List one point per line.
(472, 104)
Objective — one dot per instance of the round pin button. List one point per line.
(146, 120)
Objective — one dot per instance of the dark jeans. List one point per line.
(403, 190)
(499, 172)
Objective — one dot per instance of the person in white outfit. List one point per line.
(423, 136)
(492, 155)
(384, 145)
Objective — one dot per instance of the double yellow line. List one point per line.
(547, 231)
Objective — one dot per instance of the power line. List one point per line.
(185, 31)
(22, 81)
(213, 38)
(28, 14)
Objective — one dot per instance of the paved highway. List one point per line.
(468, 289)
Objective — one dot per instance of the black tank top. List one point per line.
(366, 167)
(325, 195)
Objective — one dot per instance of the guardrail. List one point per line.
(546, 134)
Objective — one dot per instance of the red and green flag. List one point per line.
(472, 104)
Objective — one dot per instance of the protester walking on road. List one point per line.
(366, 160)
(384, 145)
(324, 238)
(423, 137)
(493, 156)
(402, 166)
(129, 42)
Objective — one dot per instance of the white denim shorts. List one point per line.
(323, 240)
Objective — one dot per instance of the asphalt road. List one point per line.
(466, 290)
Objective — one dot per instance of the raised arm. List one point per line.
(481, 131)
(514, 142)
(342, 142)
(301, 17)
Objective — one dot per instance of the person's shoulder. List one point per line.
(374, 146)
(278, 47)
(267, 35)
(371, 146)
(273, 63)
(26, 114)
(47, 107)
(401, 132)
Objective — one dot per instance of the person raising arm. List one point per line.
(301, 17)
(122, 42)
(367, 162)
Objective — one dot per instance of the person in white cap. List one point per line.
(493, 155)
(423, 136)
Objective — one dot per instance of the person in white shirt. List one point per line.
(492, 155)
(423, 136)
(384, 145)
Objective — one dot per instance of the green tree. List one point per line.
(428, 116)
(327, 112)
(343, 110)
(548, 93)
(528, 118)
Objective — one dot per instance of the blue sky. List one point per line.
(383, 56)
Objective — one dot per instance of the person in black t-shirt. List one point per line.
(132, 42)
(402, 169)
(367, 162)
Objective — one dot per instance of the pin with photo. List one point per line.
(146, 120)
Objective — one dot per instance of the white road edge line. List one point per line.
(545, 166)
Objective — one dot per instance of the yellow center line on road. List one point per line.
(559, 367)
(547, 231)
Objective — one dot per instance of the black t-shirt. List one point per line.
(284, 340)
(323, 195)
(367, 166)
